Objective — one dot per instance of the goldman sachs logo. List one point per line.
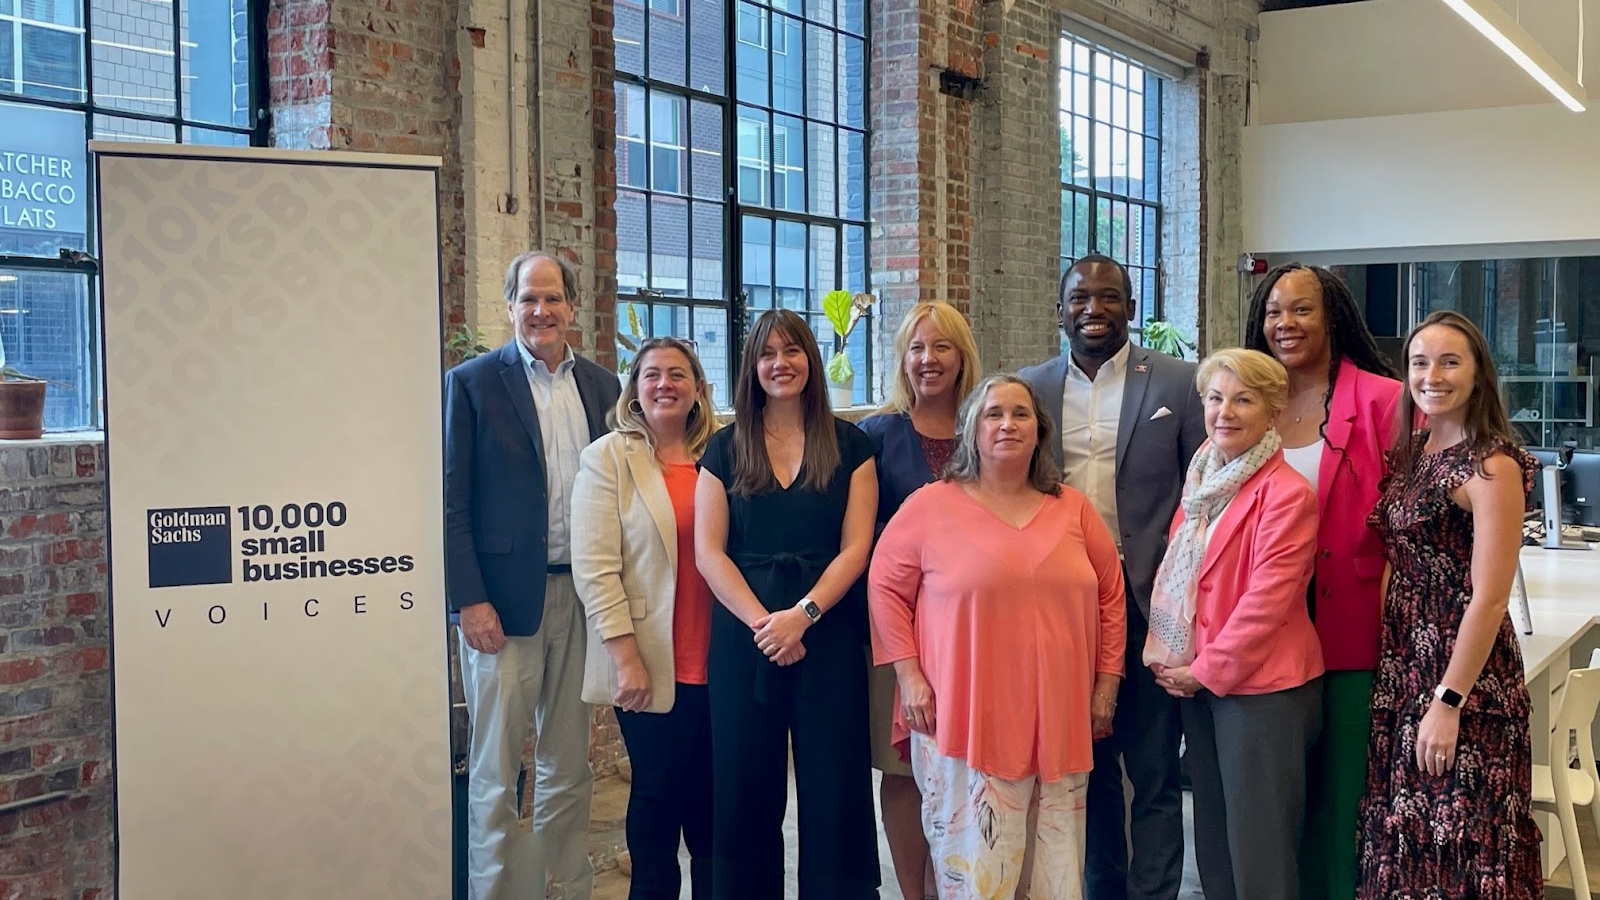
(290, 542)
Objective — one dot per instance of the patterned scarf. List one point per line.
(1209, 487)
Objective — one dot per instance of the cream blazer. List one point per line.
(625, 563)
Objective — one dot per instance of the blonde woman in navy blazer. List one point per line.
(649, 610)
(913, 435)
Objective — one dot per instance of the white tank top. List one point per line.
(1306, 460)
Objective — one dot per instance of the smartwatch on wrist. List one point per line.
(810, 608)
(1448, 697)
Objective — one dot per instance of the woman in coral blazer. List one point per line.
(1248, 663)
(1339, 423)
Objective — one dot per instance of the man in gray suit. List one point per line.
(515, 422)
(1129, 421)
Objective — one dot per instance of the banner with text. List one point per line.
(272, 370)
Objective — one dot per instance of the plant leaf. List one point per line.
(839, 371)
(634, 325)
(837, 306)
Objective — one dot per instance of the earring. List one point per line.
(635, 407)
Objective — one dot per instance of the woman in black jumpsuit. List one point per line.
(786, 661)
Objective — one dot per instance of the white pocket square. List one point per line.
(1161, 413)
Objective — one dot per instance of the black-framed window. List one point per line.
(164, 71)
(741, 171)
(1110, 129)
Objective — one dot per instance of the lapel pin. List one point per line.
(1141, 367)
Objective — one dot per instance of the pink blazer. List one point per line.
(1350, 556)
(1253, 634)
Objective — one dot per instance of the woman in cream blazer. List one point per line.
(648, 609)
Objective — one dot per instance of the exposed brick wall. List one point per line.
(55, 712)
(1018, 169)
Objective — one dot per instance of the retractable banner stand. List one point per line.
(272, 407)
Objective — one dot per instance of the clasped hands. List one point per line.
(777, 635)
(1176, 680)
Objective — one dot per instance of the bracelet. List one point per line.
(1110, 700)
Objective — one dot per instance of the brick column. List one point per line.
(1019, 213)
(55, 715)
(921, 158)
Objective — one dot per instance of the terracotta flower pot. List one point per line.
(21, 409)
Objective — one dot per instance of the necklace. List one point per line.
(1300, 416)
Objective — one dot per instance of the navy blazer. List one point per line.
(1153, 452)
(902, 468)
(495, 508)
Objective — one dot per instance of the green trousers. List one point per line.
(1336, 777)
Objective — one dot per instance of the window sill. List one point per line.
(57, 438)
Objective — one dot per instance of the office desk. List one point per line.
(1563, 589)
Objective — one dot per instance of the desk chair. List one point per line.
(1559, 788)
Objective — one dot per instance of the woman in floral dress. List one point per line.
(1446, 813)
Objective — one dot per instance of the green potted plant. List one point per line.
(1164, 337)
(844, 310)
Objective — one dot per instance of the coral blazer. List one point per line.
(1360, 430)
(1253, 634)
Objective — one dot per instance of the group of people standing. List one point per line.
(1061, 576)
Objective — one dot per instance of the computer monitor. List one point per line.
(1580, 488)
(1550, 457)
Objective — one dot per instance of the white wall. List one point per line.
(1483, 176)
(1390, 124)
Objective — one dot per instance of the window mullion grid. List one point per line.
(177, 68)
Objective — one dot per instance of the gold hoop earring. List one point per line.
(635, 407)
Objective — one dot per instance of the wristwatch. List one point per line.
(810, 608)
(1448, 697)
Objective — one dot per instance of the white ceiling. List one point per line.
(1396, 57)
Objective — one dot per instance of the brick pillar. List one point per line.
(300, 67)
(1019, 212)
(55, 715)
(922, 158)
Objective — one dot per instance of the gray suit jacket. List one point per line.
(1152, 453)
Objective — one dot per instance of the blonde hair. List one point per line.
(965, 464)
(702, 422)
(951, 325)
(1258, 371)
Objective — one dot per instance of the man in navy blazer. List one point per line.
(1128, 419)
(515, 422)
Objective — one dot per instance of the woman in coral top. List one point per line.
(1023, 602)
(1229, 633)
(649, 609)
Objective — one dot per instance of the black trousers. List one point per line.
(1146, 730)
(671, 795)
(819, 705)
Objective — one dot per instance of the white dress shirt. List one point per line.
(565, 429)
(1091, 411)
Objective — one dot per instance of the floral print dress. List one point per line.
(1469, 832)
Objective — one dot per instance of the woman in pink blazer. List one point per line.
(1339, 422)
(1229, 633)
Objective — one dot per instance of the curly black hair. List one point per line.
(1348, 337)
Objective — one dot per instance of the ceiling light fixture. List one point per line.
(1514, 41)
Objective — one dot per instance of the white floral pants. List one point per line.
(982, 830)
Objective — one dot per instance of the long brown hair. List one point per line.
(752, 469)
(1486, 427)
(702, 421)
